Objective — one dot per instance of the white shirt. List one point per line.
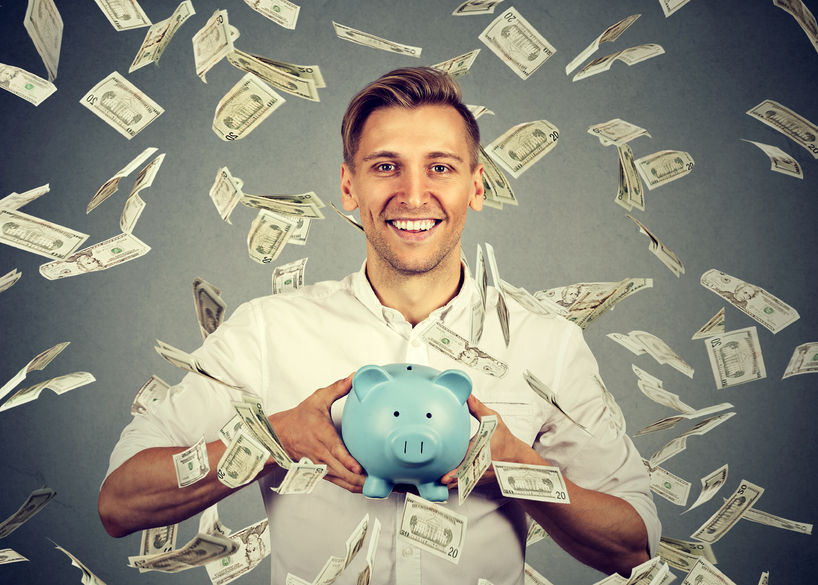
(284, 347)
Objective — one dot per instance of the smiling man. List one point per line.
(411, 169)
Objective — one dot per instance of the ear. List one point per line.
(476, 201)
(367, 378)
(456, 381)
(348, 198)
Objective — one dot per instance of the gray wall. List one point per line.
(731, 213)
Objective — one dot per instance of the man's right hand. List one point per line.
(307, 431)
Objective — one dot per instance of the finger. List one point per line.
(339, 451)
(337, 389)
(477, 408)
(354, 488)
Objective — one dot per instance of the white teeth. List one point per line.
(414, 225)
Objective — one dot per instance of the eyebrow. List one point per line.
(391, 154)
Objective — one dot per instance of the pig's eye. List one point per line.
(428, 415)
(396, 413)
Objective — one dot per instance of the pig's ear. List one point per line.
(366, 378)
(456, 381)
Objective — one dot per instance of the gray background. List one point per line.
(731, 213)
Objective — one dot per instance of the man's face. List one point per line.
(413, 185)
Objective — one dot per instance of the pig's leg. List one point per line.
(377, 487)
(433, 491)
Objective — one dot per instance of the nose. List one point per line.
(413, 191)
(414, 446)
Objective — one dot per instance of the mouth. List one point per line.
(413, 225)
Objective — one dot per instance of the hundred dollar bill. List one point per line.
(100, 256)
(58, 385)
(517, 43)
(16, 200)
(803, 16)
(754, 301)
(616, 132)
(153, 391)
(768, 519)
(671, 6)
(200, 550)
(8, 555)
(450, 343)
(535, 533)
(715, 527)
(209, 305)
(301, 477)
(38, 236)
(477, 459)
(35, 502)
(191, 464)
(282, 12)
(664, 166)
(519, 147)
(711, 484)
(111, 186)
(268, 235)
(667, 256)
(532, 577)
(496, 188)
(804, 360)
(476, 7)
(544, 392)
(679, 444)
(587, 301)
(159, 35)
(714, 326)
(460, 65)
(780, 161)
(252, 414)
(683, 554)
(38, 362)
(630, 56)
(244, 107)
(9, 279)
(253, 547)
(26, 85)
(543, 483)
(225, 193)
(668, 485)
(610, 34)
(182, 359)
(284, 77)
(369, 40)
(289, 276)
(157, 540)
(502, 305)
(44, 25)
(242, 460)
(294, 206)
(630, 193)
(88, 577)
(671, 421)
(793, 126)
(433, 528)
(124, 14)
(121, 105)
(212, 43)
(735, 357)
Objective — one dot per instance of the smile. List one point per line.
(414, 225)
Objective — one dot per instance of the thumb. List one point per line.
(338, 389)
(477, 408)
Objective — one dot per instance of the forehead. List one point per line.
(407, 130)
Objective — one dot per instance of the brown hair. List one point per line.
(408, 87)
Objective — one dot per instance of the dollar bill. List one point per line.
(531, 303)
(616, 132)
(543, 483)
(252, 414)
(683, 554)
(290, 276)
(704, 572)
(460, 65)
(244, 107)
(752, 300)
(210, 523)
(715, 527)
(134, 205)
(496, 189)
(209, 305)
(803, 16)
(26, 85)
(664, 166)
(459, 349)
(519, 147)
(478, 314)
(544, 392)
(365, 575)
(478, 111)
(182, 359)
(14, 201)
(282, 12)
(476, 7)
(804, 360)
(355, 541)
(671, 421)
(301, 231)
(58, 385)
(610, 34)
(350, 219)
(38, 362)
(793, 126)
(253, 546)
(535, 533)
(310, 74)
(158, 540)
(661, 351)
(225, 193)
(88, 577)
(532, 577)
(284, 77)
(735, 357)
(667, 256)
(44, 25)
(711, 484)
(306, 205)
(121, 105)
(768, 519)
(111, 186)
(625, 341)
(294, 580)
(369, 40)
(35, 502)
(200, 550)
(268, 235)
(477, 459)
(301, 477)
(153, 391)
(653, 389)
(242, 460)
(502, 305)
(630, 193)
(714, 326)
(587, 301)
(212, 43)
(124, 14)
(192, 464)
(630, 56)
(8, 555)
(231, 429)
(668, 485)
(671, 6)
(100, 256)
(780, 161)
(9, 279)
(679, 444)
(159, 36)
(764, 579)
(433, 528)
(38, 236)
(517, 43)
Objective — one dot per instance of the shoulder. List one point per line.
(318, 294)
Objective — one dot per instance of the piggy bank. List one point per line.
(407, 423)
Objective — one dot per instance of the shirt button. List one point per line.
(407, 552)
(416, 342)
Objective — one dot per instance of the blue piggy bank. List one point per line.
(407, 423)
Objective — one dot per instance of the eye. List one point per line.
(385, 167)
(428, 415)
(396, 413)
(439, 169)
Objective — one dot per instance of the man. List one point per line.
(411, 169)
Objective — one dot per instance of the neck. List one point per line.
(415, 296)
